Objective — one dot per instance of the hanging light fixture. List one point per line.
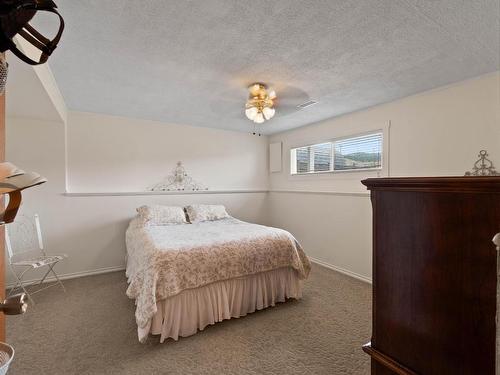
(260, 103)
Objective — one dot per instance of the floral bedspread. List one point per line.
(164, 260)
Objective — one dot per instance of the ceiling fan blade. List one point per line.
(231, 103)
(285, 109)
(288, 99)
(228, 109)
(292, 94)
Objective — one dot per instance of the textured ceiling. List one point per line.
(188, 62)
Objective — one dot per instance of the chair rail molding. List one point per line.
(228, 191)
(322, 192)
(182, 192)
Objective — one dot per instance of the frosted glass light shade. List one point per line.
(259, 118)
(251, 112)
(268, 113)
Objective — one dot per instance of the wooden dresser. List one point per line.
(434, 275)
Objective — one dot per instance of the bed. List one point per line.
(186, 276)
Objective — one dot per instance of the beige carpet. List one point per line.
(91, 330)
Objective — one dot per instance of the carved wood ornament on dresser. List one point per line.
(434, 275)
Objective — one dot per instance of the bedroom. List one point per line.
(132, 91)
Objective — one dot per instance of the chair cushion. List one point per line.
(40, 261)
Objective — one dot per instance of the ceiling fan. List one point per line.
(287, 99)
(260, 104)
(264, 101)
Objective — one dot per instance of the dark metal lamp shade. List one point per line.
(15, 305)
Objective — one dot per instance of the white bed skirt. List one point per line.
(194, 309)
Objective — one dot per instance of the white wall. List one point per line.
(108, 153)
(32, 89)
(433, 133)
(91, 229)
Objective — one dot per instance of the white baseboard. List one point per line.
(341, 270)
(100, 271)
(73, 275)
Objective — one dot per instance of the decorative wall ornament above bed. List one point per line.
(483, 166)
(179, 180)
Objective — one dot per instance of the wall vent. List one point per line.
(307, 104)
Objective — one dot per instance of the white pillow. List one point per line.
(162, 215)
(206, 212)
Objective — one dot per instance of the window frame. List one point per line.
(378, 170)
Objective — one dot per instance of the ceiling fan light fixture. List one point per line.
(268, 113)
(256, 88)
(251, 113)
(260, 104)
(259, 118)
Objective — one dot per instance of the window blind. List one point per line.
(303, 159)
(360, 152)
(314, 158)
(322, 157)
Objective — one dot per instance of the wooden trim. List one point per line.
(483, 184)
(201, 192)
(134, 193)
(387, 361)
(324, 192)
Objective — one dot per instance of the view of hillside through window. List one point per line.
(362, 152)
(359, 153)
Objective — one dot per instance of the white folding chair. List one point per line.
(24, 243)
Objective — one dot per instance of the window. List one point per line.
(346, 154)
(315, 158)
(358, 153)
